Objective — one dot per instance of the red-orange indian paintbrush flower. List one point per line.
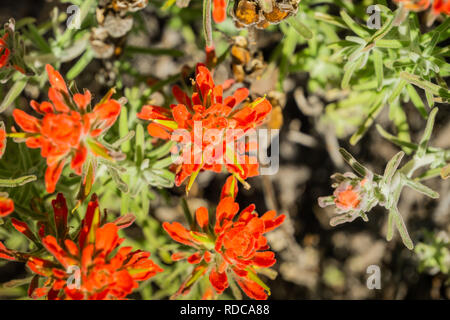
(234, 247)
(438, 6)
(92, 266)
(214, 126)
(68, 128)
(441, 6)
(6, 205)
(4, 51)
(219, 12)
(2, 139)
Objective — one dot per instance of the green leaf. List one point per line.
(443, 29)
(356, 28)
(120, 183)
(81, 64)
(398, 116)
(194, 277)
(431, 173)
(394, 139)
(17, 282)
(140, 144)
(301, 29)
(421, 151)
(390, 230)
(426, 85)
(37, 39)
(13, 93)
(123, 140)
(419, 187)
(164, 163)
(168, 4)
(348, 75)
(162, 150)
(123, 129)
(401, 227)
(253, 276)
(391, 167)
(430, 47)
(330, 19)
(17, 182)
(416, 100)
(89, 179)
(358, 167)
(378, 66)
(390, 44)
(98, 149)
(192, 179)
(384, 30)
(397, 90)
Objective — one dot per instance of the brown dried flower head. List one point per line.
(262, 13)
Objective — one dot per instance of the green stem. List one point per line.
(207, 28)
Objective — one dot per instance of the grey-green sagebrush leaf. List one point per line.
(17, 182)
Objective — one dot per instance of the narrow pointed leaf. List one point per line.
(16, 182)
(401, 227)
(392, 166)
(356, 28)
(301, 29)
(358, 167)
(416, 100)
(419, 187)
(13, 93)
(427, 134)
(378, 66)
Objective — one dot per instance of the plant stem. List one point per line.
(207, 28)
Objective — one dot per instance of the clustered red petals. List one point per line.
(441, 6)
(219, 10)
(205, 119)
(349, 194)
(6, 206)
(347, 199)
(105, 269)
(238, 242)
(4, 51)
(438, 6)
(67, 130)
(2, 140)
(415, 5)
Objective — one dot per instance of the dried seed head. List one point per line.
(113, 25)
(246, 12)
(262, 13)
(116, 26)
(276, 15)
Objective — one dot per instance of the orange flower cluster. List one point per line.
(208, 109)
(438, 6)
(6, 205)
(4, 51)
(104, 269)
(12, 53)
(352, 198)
(235, 246)
(441, 6)
(219, 10)
(2, 139)
(68, 130)
(347, 199)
